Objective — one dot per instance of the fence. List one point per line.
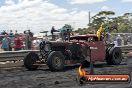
(15, 58)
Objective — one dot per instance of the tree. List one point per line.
(110, 24)
(101, 17)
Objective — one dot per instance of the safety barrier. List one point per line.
(126, 49)
(15, 58)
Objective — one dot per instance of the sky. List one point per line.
(41, 15)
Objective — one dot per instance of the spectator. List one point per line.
(5, 43)
(11, 33)
(26, 40)
(29, 44)
(29, 38)
(119, 40)
(4, 33)
(30, 34)
(125, 40)
(17, 43)
(36, 44)
(130, 39)
(10, 44)
(16, 32)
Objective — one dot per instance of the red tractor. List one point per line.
(78, 49)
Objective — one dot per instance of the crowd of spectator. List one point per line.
(120, 39)
(16, 41)
(25, 41)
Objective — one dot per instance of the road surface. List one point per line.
(44, 78)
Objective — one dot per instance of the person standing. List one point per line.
(10, 43)
(11, 33)
(11, 37)
(52, 32)
(30, 38)
(130, 39)
(16, 33)
(26, 40)
(5, 43)
(125, 38)
(17, 43)
(36, 44)
(4, 33)
(119, 40)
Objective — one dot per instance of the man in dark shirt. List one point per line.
(52, 32)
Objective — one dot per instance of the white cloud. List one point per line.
(105, 8)
(126, 0)
(85, 1)
(39, 15)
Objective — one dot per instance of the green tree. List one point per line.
(110, 24)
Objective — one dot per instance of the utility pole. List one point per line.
(89, 17)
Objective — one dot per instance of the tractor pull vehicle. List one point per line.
(79, 49)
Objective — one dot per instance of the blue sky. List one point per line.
(2, 2)
(118, 6)
(40, 15)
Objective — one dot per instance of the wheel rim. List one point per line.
(57, 61)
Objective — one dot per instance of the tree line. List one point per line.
(111, 23)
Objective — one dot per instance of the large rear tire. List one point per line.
(114, 56)
(31, 59)
(55, 61)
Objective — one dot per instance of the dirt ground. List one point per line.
(44, 78)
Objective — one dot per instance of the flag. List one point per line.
(100, 30)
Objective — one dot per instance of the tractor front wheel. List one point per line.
(30, 60)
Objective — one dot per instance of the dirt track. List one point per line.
(43, 78)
